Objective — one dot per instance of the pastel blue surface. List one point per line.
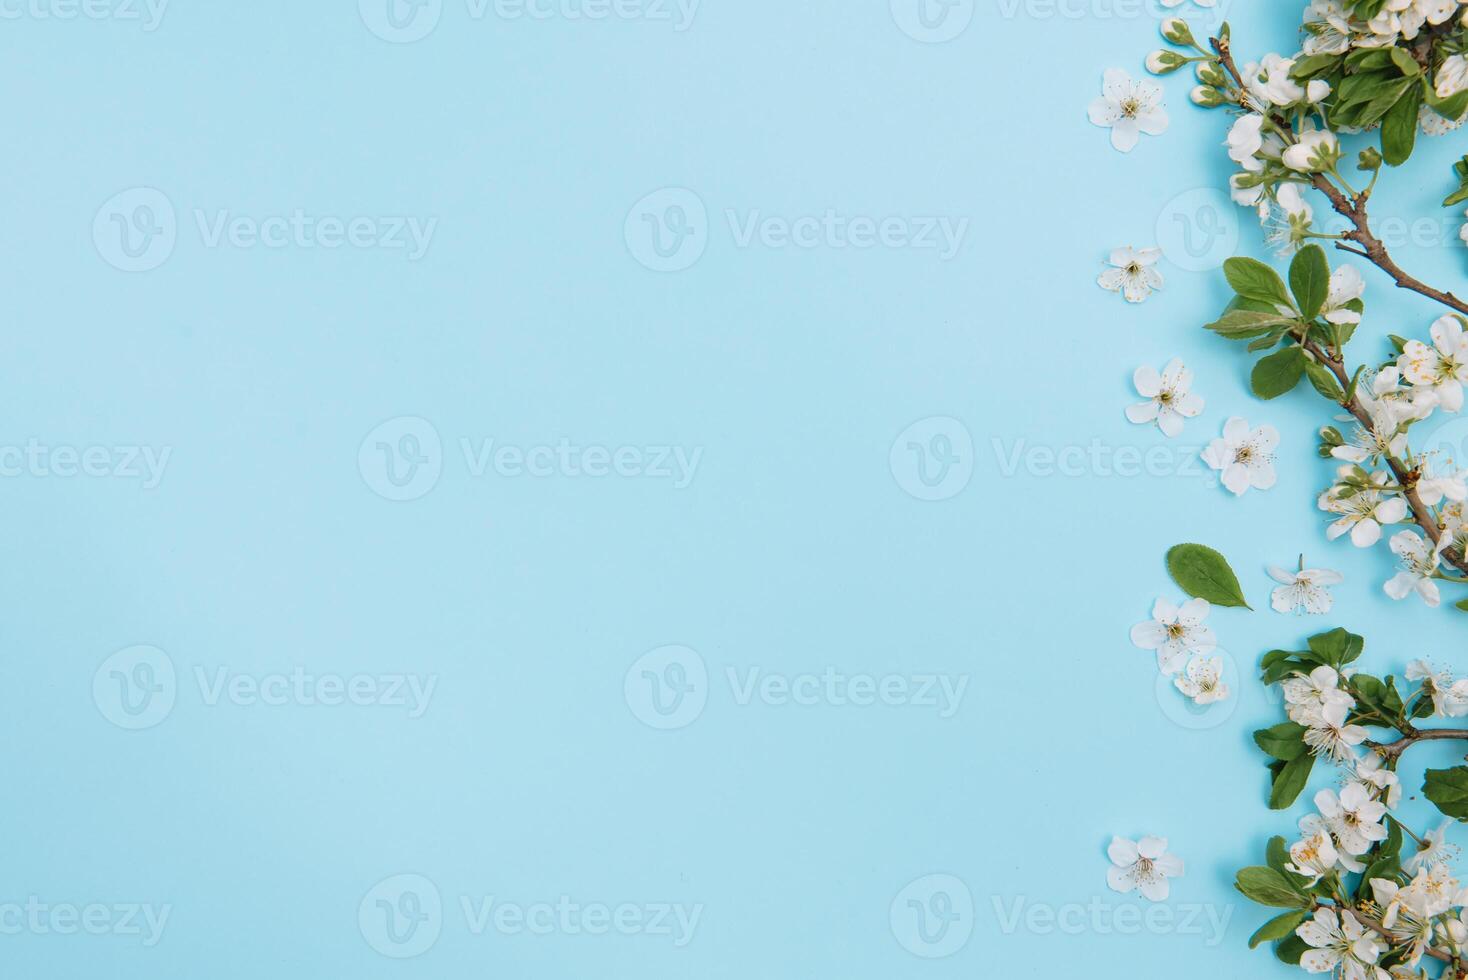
(294, 387)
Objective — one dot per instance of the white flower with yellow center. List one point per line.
(1169, 399)
(1142, 865)
(1175, 632)
(1443, 367)
(1133, 273)
(1449, 696)
(1328, 735)
(1244, 457)
(1203, 680)
(1419, 566)
(1129, 108)
(1362, 512)
(1303, 591)
(1314, 857)
(1353, 817)
(1339, 943)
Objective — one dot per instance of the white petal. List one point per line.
(1123, 853)
(1142, 412)
(1147, 381)
(1125, 134)
(1152, 848)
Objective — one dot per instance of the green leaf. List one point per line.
(1336, 648)
(1243, 324)
(1355, 380)
(1452, 107)
(1254, 280)
(1310, 280)
(1205, 574)
(1284, 741)
(1399, 126)
(1279, 927)
(1289, 781)
(1291, 949)
(1308, 66)
(1267, 341)
(1268, 887)
(1461, 604)
(1405, 63)
(1323, 381)
(1276, 854)
(1278, 373)
(1448, 790)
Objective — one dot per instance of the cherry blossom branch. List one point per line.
(1353, 209)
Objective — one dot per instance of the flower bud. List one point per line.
(1164, 62)
(1209, 73)
(1370, 159)
(1176, 30)
(1206, 96)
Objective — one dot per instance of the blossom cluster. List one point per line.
(1363, 902)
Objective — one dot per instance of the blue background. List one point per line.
(529, 320)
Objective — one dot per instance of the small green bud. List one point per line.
(1207, 96)
(1176, 30)
(1164, 62)
(1370, 159)
(1210, 74)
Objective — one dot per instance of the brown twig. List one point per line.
(1393, 750)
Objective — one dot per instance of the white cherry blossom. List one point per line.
(1442, 367)
(1142, 865)
(1169, 399)
(1340, 944)
(1133, 273)
(1353, 817)
(1303, 591)
(1203, 680)
(1419, 564)
(1314, 857)
(1175, 632)
(1328, 735)
(1129, 108)
(1244, 457)
(1449, 696)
